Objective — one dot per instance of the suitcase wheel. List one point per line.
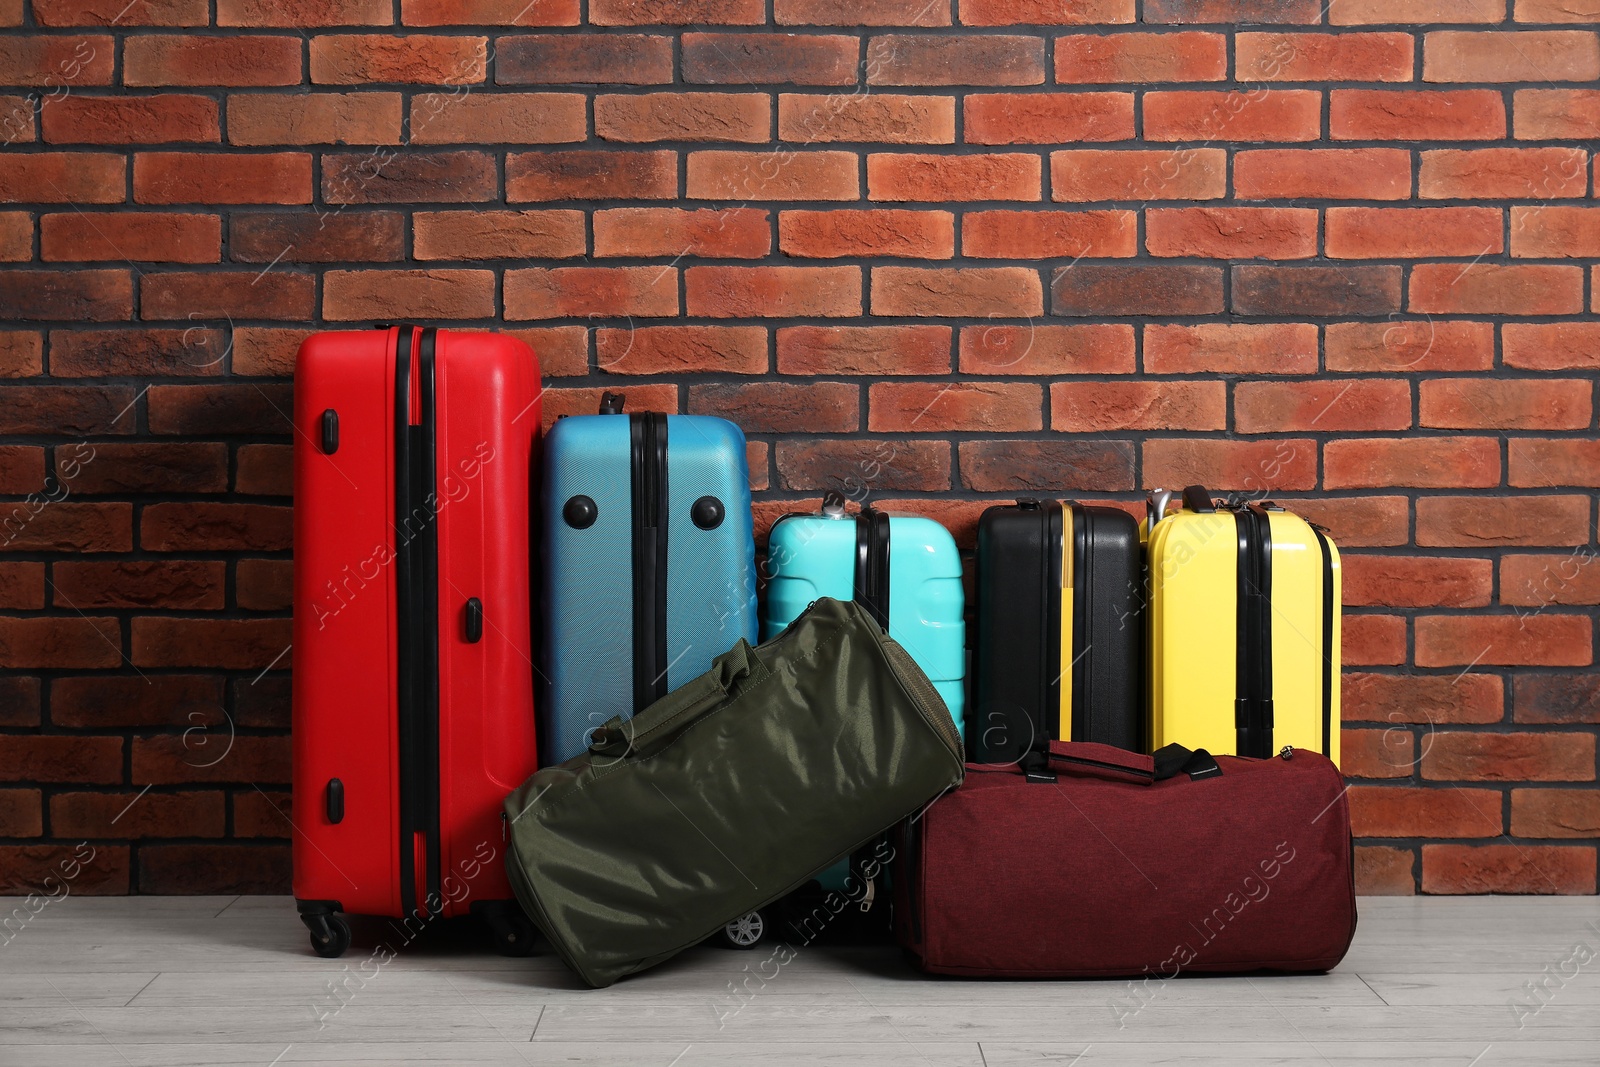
(747, 931)
(330, 934)
(513, 931)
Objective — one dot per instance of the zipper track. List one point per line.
(647, 451)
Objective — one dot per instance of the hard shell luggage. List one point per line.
(904, 569)
(1060, 642)
(649, 562)
(1244, 628)
(413, 678)
(1097, 862)
(730, 792)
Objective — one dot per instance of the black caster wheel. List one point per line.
(513, 931)
(330, 934)
(745, 932)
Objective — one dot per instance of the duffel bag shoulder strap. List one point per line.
(676, 711)
(1091, 760)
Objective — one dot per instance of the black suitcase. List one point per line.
(1060, 638)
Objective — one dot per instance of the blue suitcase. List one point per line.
(649, 563)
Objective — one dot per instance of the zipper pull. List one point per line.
(1286, 753)
(867, 897)
(505, 827)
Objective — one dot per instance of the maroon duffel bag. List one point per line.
(1095, 864)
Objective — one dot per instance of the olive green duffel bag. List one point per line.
(728, 793)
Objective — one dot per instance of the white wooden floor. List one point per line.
(171, 982)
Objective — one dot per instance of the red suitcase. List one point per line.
(413, 674)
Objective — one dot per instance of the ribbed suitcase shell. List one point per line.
(589, 592)
(347, 625)
(1194, 636)
(1033, 677)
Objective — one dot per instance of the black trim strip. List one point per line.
(648, 460)
(872, 564)
(1328, 666)
(406, 658)
(428, 587)
(1253, 718)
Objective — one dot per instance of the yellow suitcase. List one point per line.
(1244, 628)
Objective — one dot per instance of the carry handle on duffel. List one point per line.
(1088, 759)
(679, 709)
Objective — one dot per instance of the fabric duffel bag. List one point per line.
(728, 793)
(1095, 862)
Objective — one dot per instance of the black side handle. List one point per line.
(611, 403)
(474, 620)
(1196, 498)
(333, 798)
(330, 431)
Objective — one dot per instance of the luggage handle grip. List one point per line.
(1092, 760)
(676, 711)
(1197, 498)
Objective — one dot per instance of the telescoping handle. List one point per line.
(676, 711)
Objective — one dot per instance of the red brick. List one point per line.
(1523, 757)
(1408, 811)
(1539, 581)
(20, 813)
(1122, 58)
(563, 292)
(1324, 57)
(673, 116)
(1501, 404)
(871, 350)
(1555, 812)
(1232, 232)
(1100, 407)
(215, 527)
(1380, 12)
(1049, 234)
(1178, 174)
(1508, 869)
(190, 295)
(1373, 640)
(111, 701)
(314, 118)
(1556, 114)
(584, 58)
(1429, 463)
(1278, 465)
(143, 467)
(864, 464)
(215, 755)
(1581, 11)
(781, 292)
(943, 407)
(496, 235)
(1475, 522)
(682, 349)
(54, 61)
(1042, 12)
(559, 402)
(212, 178)
(17, 124)
(1319, 291)
(746, 59)
(215, 869)
(295, 14)
(1407, 115)
(63, 178)
(16, 236)
(675, 12)
(414, 58)
(220, 410)
(880, 118)
(1231, 348)
(488, 13)
(1056, 118)
(387, 294)
(1414, 233)
(77, 759)
(1496, 289)
(1414, 345)
(1377, 754)
(266, 352)
(1498, 56)
(847, 13)
(906, 176)
(1352, 404)
(989, 59)
(841, 232)
(119, 13)
(231, 644)
(22, 468)
(130, 119)
(1094, 289)
(1416, 581)
(1535, 463)
(148, 237)
(265, 470)
(1555, 232)
(782, 407)
(262, 814)
(499, 118)
(1557, 698)
(1422, 698)
(21, 354)
(1323, 174)
(722, 233)
(973, 291)
(100, 870)
(1385, 872)
(317, 237)
(1228, 11)
(65, 642)
(21, 586)
(21, 704)
(584, 175)
(779, 174)
(135, 815)
(1256, 115)
(197, 60)
(187, 352)
(79, 410)
(1503, 173)
(390, 177)
(1028, 467)
(74, 295)
(68, 527)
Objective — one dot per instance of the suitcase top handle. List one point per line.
(611, 403)
(1197, 498)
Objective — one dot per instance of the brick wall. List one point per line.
(978, 249)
